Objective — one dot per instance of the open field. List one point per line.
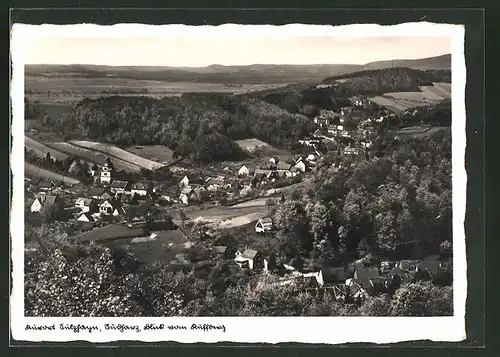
(158, 153)
(63, 90)
(42, 150)
(118, 153)
(161, 249)
(400, 101)
(419, 131)
(93, 156)
(33, 171)
(251, 144)
(224, 217)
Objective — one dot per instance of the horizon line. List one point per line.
(236, 65)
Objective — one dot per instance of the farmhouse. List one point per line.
(111, 207)
(118, 186)
(106, 195)
(86, 204)
(244, 171)
(301, 165)
(274, 160)
(250, 259)
(219, 250)
(335, 129)
(141, 189)
(44, 201)
(264, 225)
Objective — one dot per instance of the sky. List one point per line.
(191, 51)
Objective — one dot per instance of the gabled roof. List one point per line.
(283, 166)
(119, 184)
(140, 186)
(266, 220)
(219, 249)
(49, 200)
(249, 253)
(106, 194)
(88, 215)
(333, 275)
(432, 267)
(85, 201)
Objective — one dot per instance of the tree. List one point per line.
(77, 281)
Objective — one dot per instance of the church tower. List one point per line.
(106, 171)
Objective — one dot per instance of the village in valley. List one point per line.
(331, 197)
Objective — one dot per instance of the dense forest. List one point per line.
(395, 206)
(203, 126)
(377, 82)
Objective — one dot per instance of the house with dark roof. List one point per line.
(428, 269)
(106, 195)
(118, 186)
(44, 201)
(219, 251)
(333, 276)
(141, 189)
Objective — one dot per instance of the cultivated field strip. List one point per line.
(37, 172)
(42, 150)
(159, 153)
(118, 153)
(94, 156)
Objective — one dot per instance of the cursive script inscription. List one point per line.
(208, 327)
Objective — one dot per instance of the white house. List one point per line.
(108, 207)
(247, 259)
(84, 204)
(244, 171)
(274, 160)
(184, 198)
(43, 200)
(141, 188)
(184, 182)
(301, 165)
(264, 225)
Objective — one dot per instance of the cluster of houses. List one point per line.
(358, 282)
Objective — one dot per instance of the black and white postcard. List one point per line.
(238, 183)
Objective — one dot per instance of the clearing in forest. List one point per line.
(118, 153)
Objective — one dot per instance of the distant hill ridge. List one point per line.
(256, 73)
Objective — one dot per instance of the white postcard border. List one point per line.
(323, 330)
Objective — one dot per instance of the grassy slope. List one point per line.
(33, 171)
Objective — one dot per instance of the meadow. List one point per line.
(401, 101)
(54, 90)
(117, 153)
(93, 156)
(34, 172)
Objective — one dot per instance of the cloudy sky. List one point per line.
(190, 51)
